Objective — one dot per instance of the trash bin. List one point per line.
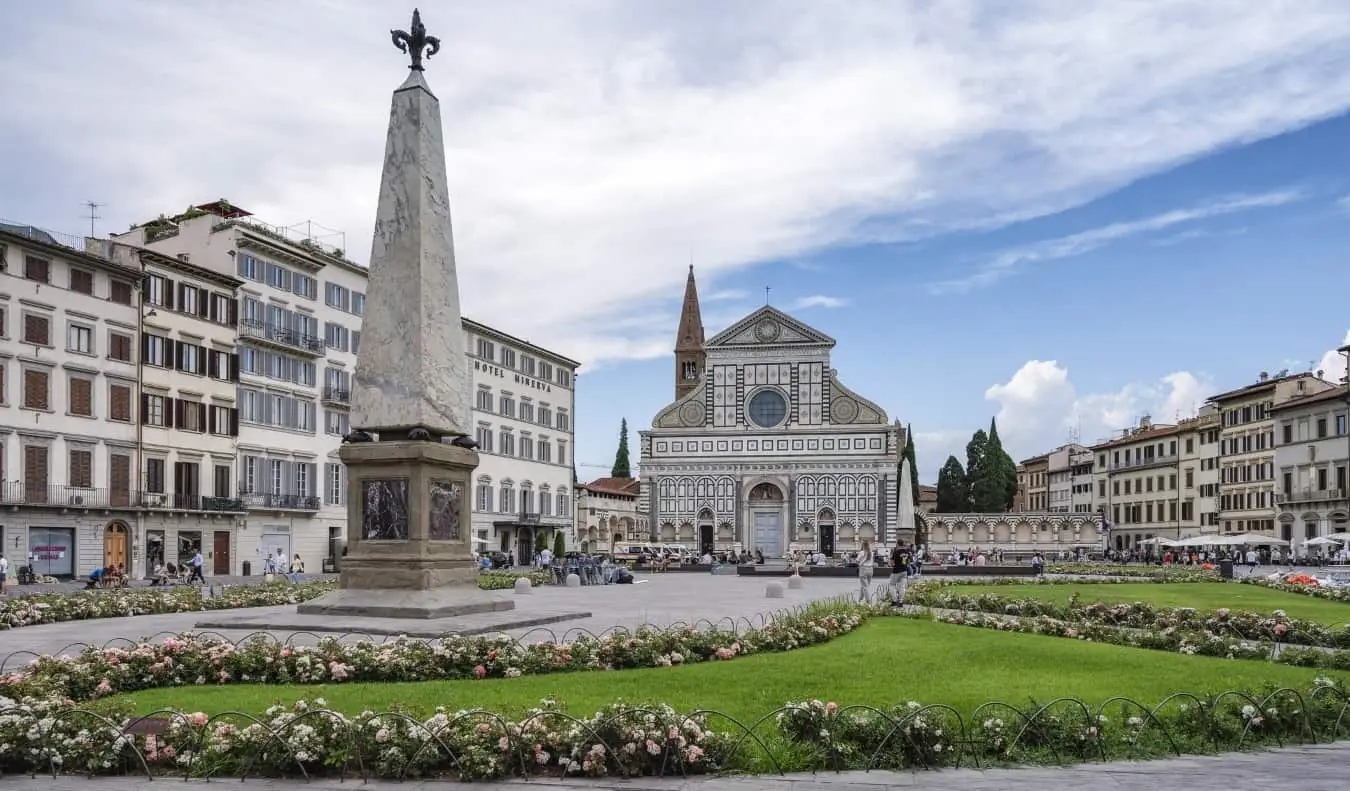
(1226, 568)
(248, 568)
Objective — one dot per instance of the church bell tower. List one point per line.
(690, 359)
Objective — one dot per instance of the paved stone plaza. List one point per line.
(1318, 768)
(659, 599)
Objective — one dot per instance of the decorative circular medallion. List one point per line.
(767, 408)
(691, 414)
(843, 410)
(767, 331)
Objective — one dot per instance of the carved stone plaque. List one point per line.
(445, 499)
(384, 514)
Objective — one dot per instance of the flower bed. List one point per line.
(1159, 573)
(1316, 591)
(207, 659)
(41, 608)
(1244, 625)
(623, 741)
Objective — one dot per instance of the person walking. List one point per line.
(197, 568)
(865, 567)
(900, 562)
(4, 572)
(297, 568)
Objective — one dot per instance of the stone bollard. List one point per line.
(795, 581)
(774, 590)
(523, 586)
(573, 581)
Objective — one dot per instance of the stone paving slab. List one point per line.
(1314, 768)
(661, 600)
(477, 623)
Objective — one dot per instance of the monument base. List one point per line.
(422, 605)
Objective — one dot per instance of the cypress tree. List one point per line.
(953, 496)
(622, 469)
(913, 465)
(1007, 467)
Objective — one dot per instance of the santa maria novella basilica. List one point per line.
(763, 448)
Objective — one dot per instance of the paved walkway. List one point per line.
(1317, 768)
(661, 600)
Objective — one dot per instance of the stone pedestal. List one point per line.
(408, 535)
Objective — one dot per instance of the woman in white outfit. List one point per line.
(865, 565)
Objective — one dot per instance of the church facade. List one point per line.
(764, 448)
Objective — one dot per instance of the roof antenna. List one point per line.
(767, 289)
(93, 215)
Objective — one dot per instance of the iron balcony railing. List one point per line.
(173, 501)
(1310, 495)
(283, 336)
(337, 395)
(54, 495)
(284, 502)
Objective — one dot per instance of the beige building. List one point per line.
(1312, 454)
(1068, 486)
(608, 514)
(1036, 490)
(1247, 481)
(1199, 466)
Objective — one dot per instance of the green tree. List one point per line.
(913, 465)
(1007, 467)
(953, 495)
(559, 544)
(622, 468)
(978, 469)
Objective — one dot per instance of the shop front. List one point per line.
(51, 551)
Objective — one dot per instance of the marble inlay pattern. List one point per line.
(446, 498)
(385, 510)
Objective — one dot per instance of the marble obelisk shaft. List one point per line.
(411, 371)
(905, 524)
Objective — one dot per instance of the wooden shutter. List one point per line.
(119, 479)
(168, 293)
(35, 473)
(170, 410)
(234, 422)
(234, 312)
(81, 468)
(179, 410)
(234, 367)
(145, 348)
(145, 408)
(212, 366)
(202, 358)
(203, 303)
(36, 389)
(211, 420)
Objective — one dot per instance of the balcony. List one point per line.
(59, 495)
(280, 502)
(166, 501)
(528, 517)
(283, 337)
(337, 395)
(1310, 495)
(1147, 461)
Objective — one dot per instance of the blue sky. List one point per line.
(1221, 267)
(1066, 214)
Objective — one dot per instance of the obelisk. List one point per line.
(904, 524)
(409, 460)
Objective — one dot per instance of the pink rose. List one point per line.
(479, 671)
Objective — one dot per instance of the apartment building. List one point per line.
(1312, 453)
(1082, 488)
(608, 514)
(1199, 468)
(298, 314)
(1036, 491)
(69, 329)
(1065, 478)
(524, 407)
(1247, 448)
(188, 417)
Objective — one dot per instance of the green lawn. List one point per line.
(888, 661)
(1205, 596)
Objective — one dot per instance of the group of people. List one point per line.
(276, 564)
(904, 564)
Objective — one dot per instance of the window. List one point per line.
(484, 399)
(526, 447)
(509, 358)
(191, 416)
(190, 358)
(81, 397)
(336, 296)
(356, 341)
(484, 437)
(1287, 433)
(564, 422)
(507, 497)
(483, 498)
(220, 480)
(526, 411)
(507, 405)
(37, 329)
(221, 365)
(158, 291)
(545, 450)
(545, 371)
(564, 379)
(119, 346)
(222, 309)
(249, 267)
(80, 339)
(154, 410)
(154, 476)
(81, 473)
(767, 408)
(304, 285)
(335, 474)
(156, 350)
(119, 291)
(36, 389)
(689, 371)
(527, 365)
(507, 442)
(278, 277)
(562, 451)
(1321, 428)
(38, 269)
(358, 303)
(119, 403)
(336, 336)
(81, 280)
(486, 350)
(545, 416)
(336, 422)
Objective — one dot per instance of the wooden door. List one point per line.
(115, 546)
(220, 553)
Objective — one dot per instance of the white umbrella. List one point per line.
(1343, 537)
(1320, 541)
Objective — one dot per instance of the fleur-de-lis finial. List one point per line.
(416, 42)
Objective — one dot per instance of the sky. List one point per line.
(1063, 215)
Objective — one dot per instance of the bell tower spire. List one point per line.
(689, 355)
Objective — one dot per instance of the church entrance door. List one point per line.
(705, 538)
(769, 533)
(827, 539)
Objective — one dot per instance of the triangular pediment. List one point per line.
(770, 326)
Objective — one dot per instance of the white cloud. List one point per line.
(595, 147)
(1008, 263)
(1332, 364)
(818, 301)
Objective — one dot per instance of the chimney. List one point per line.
(1264, 376)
